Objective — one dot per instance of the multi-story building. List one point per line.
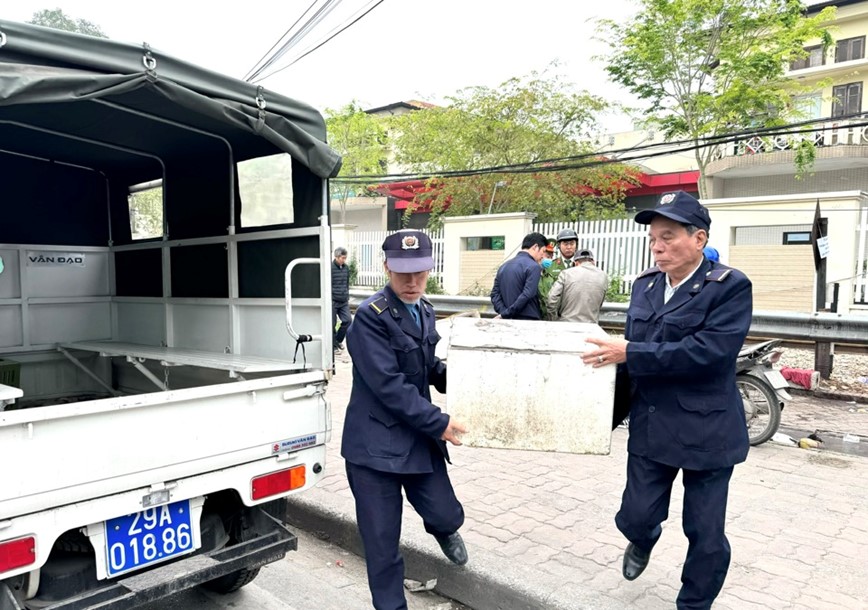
(765, 165)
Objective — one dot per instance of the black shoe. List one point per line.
(635, 562)
(453, 547)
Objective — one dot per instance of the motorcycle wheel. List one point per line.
(762, 411)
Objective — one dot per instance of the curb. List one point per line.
(857, 398)
(474, 585)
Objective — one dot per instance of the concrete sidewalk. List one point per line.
(540, 526)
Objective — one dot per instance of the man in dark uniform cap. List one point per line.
(394, 438)
(687, 321)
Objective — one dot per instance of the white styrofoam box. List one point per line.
(520, 384)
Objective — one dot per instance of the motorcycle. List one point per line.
(762, 389)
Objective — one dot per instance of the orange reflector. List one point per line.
(278, 482)
(17, 553)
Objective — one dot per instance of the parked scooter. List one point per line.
(762, 388)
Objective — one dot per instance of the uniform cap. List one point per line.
(408, 251)
(680, 207)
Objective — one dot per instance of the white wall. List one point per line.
(513, 226)
(841, 209)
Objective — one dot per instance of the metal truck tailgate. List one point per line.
(88, 449)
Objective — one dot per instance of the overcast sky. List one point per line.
(403, 49)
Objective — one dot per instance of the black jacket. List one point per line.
(340, 283)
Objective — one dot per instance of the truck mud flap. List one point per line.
(271, 543)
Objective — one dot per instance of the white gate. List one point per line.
(620, 246)
(367, 252)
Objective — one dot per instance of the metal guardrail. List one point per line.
(817, 328)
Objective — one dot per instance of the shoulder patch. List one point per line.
(379, 305)
(649, 271)
(718, 275)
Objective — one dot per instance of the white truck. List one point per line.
(165, 317)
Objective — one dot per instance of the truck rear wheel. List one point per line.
(232, 581)
(239, 529)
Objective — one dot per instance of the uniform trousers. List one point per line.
(645, 505)
(379, 505)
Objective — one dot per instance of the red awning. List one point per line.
(408, 192)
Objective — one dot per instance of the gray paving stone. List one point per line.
(540, 529)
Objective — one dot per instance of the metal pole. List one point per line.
(494, 192)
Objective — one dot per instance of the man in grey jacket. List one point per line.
(579, 291)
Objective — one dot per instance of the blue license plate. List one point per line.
(148, 537)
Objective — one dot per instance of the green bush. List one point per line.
(354, 271)
(613, 293)
(433, 286)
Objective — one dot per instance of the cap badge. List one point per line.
(410, 242)
(667, 198)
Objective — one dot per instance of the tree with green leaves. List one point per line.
(709, 68)
(59, 20)
(536, 128)
(361, 139)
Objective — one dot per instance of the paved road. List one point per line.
(540, 528)
(318, 576)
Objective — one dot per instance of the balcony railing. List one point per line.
(849, 132)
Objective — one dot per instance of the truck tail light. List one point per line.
(17, 553)
(278, 482)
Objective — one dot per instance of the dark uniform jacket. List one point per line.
(686, 410)
(340, 283)
(390, 423)
(516, 288)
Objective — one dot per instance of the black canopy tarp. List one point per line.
(44, 67)
(82, 119)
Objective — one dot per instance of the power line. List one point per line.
(330, 36)
(250, 72)
(596, 158)
(320, 14)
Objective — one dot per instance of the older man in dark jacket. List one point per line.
(687, 321)
(340, 297)
(515, 294)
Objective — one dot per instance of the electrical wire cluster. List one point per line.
(635, 153)
(264, 68)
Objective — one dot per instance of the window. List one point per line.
(847, 99)
(484, 243)
(850, 49)
(815, 57)
(265, 188)
(796, 238)
(146, 210)
(808, 106)
(771, 235)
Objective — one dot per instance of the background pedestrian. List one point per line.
(578, 293)
(515, 294)
(340, 297)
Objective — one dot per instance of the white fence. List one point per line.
(620, 246)
(368, 254)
